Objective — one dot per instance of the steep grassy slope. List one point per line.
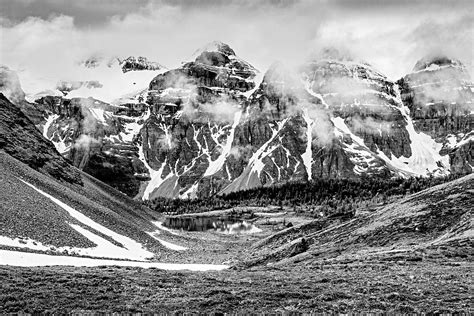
(20, 138)
(29, 214)
(437, 221)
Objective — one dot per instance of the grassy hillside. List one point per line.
(436, 221)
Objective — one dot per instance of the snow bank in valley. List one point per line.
(27, 259)
(166, 243)
(131, 249)
(160, 226)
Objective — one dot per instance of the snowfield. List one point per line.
(27, 259)
(111, 79)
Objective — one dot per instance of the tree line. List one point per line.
(318, 197)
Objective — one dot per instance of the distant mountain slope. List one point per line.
(437, 221)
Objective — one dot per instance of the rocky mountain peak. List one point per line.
(338, 69)
(130, 63)
(215, 47)
(332, 53)
(278, 81)
(435, 62)
(139, 63)
(98, 60)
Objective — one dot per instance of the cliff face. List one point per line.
(440, 94)
(217, 125)
(96, 137)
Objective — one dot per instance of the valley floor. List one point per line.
(372, 285)
(412, 255)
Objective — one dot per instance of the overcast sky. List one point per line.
(49, 35)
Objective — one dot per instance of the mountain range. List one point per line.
(217, 125)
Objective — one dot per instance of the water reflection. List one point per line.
(201, 222)
(241, 227)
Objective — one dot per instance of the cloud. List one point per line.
(166, 141)
(84, 142)
(369, 125)
(322, 128)
(223, 110)
(453, 38)
(390, 36)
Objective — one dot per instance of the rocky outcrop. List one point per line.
(130, 63)
(138, 63)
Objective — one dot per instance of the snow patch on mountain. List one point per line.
(216, 165)
(258, 79)
(113, 85)
(307, 156)
(250, 177)
(456, 141)
(49, 121)
(100, 115)
(360, 154)
(425, 156)
(54, 136)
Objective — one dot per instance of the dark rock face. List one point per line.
(140, 63)
(20, 138)
(440, 96)
(130, 63)
(461, 158)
